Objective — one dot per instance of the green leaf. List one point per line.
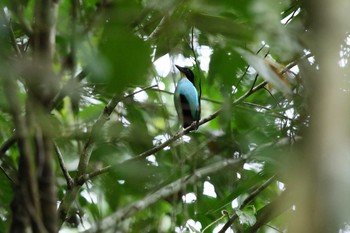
(126, 57)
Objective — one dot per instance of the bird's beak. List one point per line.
(180, 68)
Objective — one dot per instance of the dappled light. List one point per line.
(174, 116)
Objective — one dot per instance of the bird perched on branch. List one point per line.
(186, 98)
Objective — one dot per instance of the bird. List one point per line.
(186, 98)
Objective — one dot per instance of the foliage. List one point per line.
(102, 104)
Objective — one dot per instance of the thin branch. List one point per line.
(248, 200)
(103, 118)
(9, 173)
(69, 180)
(202, 98)
(158, 29)
(275, 208)
(7, 144)
(81, 180)
(247, 68)
(294, 63)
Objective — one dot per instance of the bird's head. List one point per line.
(187, 72)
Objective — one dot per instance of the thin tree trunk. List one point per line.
(34, 203)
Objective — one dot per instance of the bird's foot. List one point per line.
(195, 125)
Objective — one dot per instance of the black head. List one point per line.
(187, 72)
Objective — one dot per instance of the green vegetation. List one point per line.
(90, 140)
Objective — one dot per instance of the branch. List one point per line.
(202, 98)
(272, 210)
(248, 200)
(103, 118)
(69, 179)
(164, 192)
(158, 29)
(82, 176)
(81, 180)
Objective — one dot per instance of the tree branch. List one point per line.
(164, 192)
(248, 200)
(82, 176)
(69, 180)
(103, 118)
(275, 208)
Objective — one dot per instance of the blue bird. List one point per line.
(186, 98)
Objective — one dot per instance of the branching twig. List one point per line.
(294, 63)
(202, 98)
(81, 180)
(249, 199)
(275, 208)
(69, 179)
(160, 26)
(7, 144)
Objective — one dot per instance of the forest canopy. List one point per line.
(91, 141)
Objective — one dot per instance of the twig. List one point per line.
(81, 180)
(247, 68)
(69, 180)
(249, 199)
(275, 208)
(160, 26)
(294, 63)
(7, 144)
(202, 98)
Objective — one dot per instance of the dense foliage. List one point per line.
(90, 139)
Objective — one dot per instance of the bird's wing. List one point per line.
(188, 91)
